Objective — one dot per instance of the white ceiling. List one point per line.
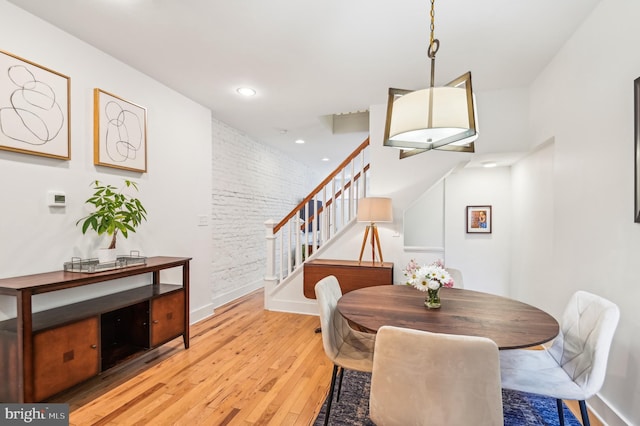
(311, 59)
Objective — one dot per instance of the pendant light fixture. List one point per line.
(441, 118)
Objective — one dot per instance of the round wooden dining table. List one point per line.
(509, 323)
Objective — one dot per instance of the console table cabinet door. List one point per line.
(65, 356)
(167, 317)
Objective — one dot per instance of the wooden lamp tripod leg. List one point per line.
(375, 237)
(364, 242)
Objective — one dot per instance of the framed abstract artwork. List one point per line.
(34, 108)
(479, 219)
(119, 132)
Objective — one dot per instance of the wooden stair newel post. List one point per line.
(270, 278)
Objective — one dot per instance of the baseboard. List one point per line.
(201, 313)
(605, 412)
(236, 293)
(295, 306)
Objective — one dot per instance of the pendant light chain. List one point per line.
(433, 25)
(434, 44)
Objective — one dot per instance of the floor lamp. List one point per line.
(373, 210)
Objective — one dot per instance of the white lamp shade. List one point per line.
(411, 114)
(434, 118)
(375, 209)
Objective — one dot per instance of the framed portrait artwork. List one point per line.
(479, 219)
(34, 108)
(119, 132)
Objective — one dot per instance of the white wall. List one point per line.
(484, 259)
(532, 231)
(584, 101)
(425, 218)
(177, 188)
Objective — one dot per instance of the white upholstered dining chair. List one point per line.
(345, 347)
(574, 367)
(456, 274)
(422, 378)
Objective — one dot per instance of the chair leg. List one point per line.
(340, 383)
(330, 397)
(560, 411)
(584, 412)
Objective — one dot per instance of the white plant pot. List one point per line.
(106, 255)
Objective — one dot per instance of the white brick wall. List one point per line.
(252, 182)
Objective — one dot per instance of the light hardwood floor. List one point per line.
(245, 366)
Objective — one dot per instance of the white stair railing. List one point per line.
(317, 219)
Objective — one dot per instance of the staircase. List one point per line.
(313, 223)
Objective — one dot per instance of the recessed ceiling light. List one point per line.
(325, 159)
(299, 141)
(489, 164)
(246, 91)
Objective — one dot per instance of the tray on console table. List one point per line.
(91, 266)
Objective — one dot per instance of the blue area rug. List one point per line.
(520, 409)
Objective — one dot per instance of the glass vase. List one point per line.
(432, 301)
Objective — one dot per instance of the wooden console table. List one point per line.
(351, 274)
(46, 352)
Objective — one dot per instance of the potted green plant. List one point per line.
(115, 212)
